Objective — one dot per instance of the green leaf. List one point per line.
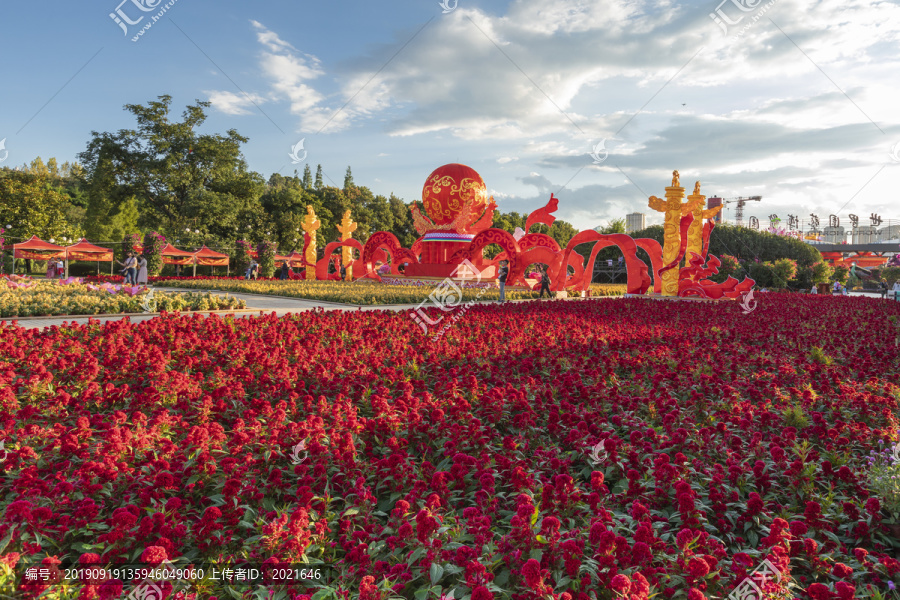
(437, 571)
(422, 594)
(416, 555)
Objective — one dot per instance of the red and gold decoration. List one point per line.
(456, 227)
(310, 225)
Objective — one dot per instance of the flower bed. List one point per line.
(610, 449)
(365, 292)
(23, 297)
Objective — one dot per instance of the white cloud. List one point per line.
(232, 103)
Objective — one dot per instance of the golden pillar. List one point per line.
(310, 225)
(673, 208)
(346, 228)
(695, 204)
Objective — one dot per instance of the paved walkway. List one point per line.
(256, 305)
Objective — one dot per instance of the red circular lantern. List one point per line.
(447, 190)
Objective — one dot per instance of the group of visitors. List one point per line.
(55, 269)
(134, 269)
(252, 270)
(503, 274)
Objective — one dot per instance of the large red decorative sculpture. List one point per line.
(455, 229)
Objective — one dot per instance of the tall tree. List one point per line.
(179, 177)
(348, 180)
(307, 177)
(319, 183)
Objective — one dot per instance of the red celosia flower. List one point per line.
(482, 593)
(620, 584)
(154, 555)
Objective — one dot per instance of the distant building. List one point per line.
(865, 234)
(834, 235)
(712, 203)
(890, 233)
(635, 222)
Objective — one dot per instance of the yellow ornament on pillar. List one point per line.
(346, 228)
(673, 208)
(310, 225)
(695, 204)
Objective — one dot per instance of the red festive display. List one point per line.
(457, 228)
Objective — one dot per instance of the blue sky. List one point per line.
(795, 101)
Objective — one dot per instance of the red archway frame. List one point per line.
(654, 250)
(502, 238)
(383, 240)
(538, 240)
(322, 264)
(638, 277)
(540, 254)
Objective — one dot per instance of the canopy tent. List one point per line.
(37, 249)
(210, 258)
(173, 256)
(84, 250)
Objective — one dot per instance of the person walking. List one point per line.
(343, 273)
(129, 271)
(884, 288)
(51, 268)
(142, 270)
(502, 274)
(896, 290)
(545, 282)
(284, 270)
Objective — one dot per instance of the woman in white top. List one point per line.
(142, 270)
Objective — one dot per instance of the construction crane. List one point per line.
(739, 209)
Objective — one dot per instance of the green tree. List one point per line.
(402, 224)
(840, 274)
(33, 207)
(178, 176)
(319, 184)
(783, 271)
(307, 177)
(348, 180)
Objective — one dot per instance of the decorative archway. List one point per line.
(502, 238)
(386, 241)
(322, 264)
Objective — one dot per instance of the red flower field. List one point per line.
(597, 449)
